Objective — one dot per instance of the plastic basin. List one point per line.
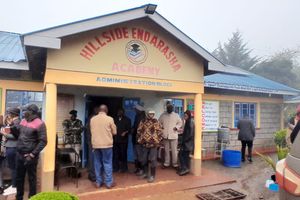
(231, 158)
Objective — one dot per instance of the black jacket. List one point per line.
(188, 136)
(247, 130)
(32, 136)
(138, 118)
(123, 124)
(295, 132)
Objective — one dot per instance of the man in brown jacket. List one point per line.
(102, 130)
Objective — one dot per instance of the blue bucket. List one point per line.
(231, 158)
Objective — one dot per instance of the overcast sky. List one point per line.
(267, 25)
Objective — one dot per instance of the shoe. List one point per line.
(92, 179)
(140, 173)
(184, 172)
(250, 159)
(96, 185)
(165, 166)
(1, 190)
(243, 159)
(111, 186)
(9, 191)
(150, 179)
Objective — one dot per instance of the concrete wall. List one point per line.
(270, 121)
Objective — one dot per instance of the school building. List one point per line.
(129, 57)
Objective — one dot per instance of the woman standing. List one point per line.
(12, 120)
(149, 135)
(187, 144)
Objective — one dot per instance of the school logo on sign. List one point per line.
(136, 52)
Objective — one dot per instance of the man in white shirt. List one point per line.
(171, 123)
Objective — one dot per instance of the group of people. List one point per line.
(109, 140)
(22, 140)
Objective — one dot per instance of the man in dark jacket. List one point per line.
(32, 138)
(123, 124)
(137, 148)
(246, 136)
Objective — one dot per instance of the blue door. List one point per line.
(128, 105)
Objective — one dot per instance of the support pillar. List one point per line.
(48, 155)
(196, 162)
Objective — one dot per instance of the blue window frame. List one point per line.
(244, 109)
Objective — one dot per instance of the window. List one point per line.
(178, 106)
(244, 109)
(22, 98)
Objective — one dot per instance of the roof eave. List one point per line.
(51, 38)
(249, 89)
(14, 65)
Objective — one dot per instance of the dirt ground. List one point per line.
(250, 181)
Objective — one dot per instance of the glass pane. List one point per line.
(22, 98)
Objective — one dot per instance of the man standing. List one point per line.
(32, 138)
(123, 124)
(171, 123)
(88, 137)
(149, 136)
(140, 115)
(102, 129)
(72, 129)
(246, 136)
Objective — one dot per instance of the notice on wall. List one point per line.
(210, 115)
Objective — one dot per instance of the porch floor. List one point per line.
(129, 186)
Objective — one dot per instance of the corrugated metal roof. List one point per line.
(11, 48)
(247, 82)
(292, 99)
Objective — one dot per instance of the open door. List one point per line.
(128, 105)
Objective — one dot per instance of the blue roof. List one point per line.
(11, 48)
(247, 82)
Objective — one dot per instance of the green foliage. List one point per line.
(268, 160)
(235, 53)
(54, 196)
(280, 138)
(282, 152)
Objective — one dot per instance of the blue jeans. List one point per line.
(103, 165)
(11, 153)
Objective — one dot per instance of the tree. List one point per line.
(236, 53)
(282, 67)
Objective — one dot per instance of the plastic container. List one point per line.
(274, 187)
(231, 158)
(223, 135)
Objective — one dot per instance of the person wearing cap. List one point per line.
(139, 116)
(72, 129)
(149, 136)
(31, 137)
(12, 119)
(171, 124)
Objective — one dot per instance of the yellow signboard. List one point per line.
(139, 48)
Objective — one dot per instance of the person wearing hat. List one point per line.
(12, 119)
(150, 137)
(139, 116)
(171, 124)
(72, 129)
(31, 137)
